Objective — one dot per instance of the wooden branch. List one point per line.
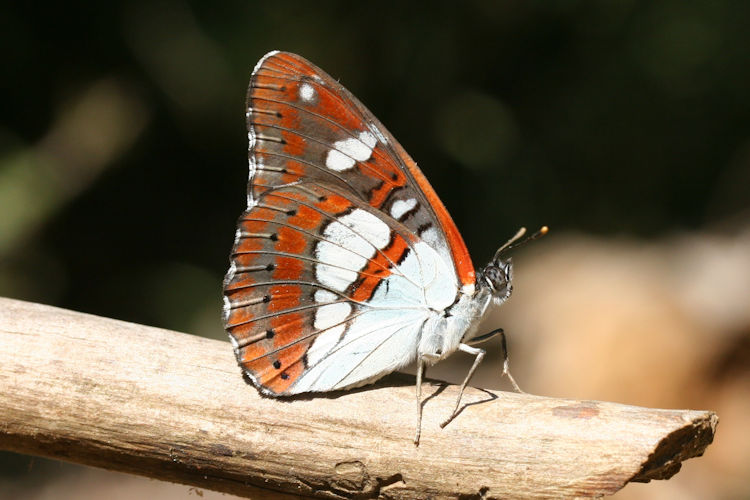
(174, 407)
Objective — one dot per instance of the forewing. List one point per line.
(303, 125)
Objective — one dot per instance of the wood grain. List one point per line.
(174, 407)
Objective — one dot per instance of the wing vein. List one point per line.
(308, 163)
(345, 130)
(419, 307)
(395, 270)
(304, 337)
(340, 346)
(406, 240)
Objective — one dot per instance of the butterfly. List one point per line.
(346, 265)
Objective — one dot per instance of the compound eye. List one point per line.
(496, 278)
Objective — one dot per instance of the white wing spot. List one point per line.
(306, 92)
(232, 271)
(346, 153)
(351, 242)
(253, 165)
(400, 207)
(330, 319)
(323, 344)
(368, 139)
(369, 226)
(331, 315)
(227, 306)
(333, 276)
(430, 236)
(325, 296)
(338, 161)
(378, 133)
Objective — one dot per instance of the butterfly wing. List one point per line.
(345, 250)
(304, 125)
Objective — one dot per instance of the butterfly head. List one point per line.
(498, 275)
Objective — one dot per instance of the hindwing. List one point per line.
(325, 293)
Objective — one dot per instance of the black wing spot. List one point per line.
(270, 267)
(403, 256)
(270, 333)
(277, 364)
(284, 376)
(409, 213)
(376, 187)
(346, 211)
(274, 237)
(266, 299)
(424, 227)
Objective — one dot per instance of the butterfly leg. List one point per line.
(420, 371)
(479, 353)
(504, 348)
(506, 365)
(422, 365)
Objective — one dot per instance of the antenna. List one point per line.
(518, 240)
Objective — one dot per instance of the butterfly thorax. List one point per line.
(443, 333)
(459, 323)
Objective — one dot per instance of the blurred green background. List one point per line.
(123, 143)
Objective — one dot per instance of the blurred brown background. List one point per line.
(623, 125)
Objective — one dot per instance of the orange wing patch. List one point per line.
(379, 268)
